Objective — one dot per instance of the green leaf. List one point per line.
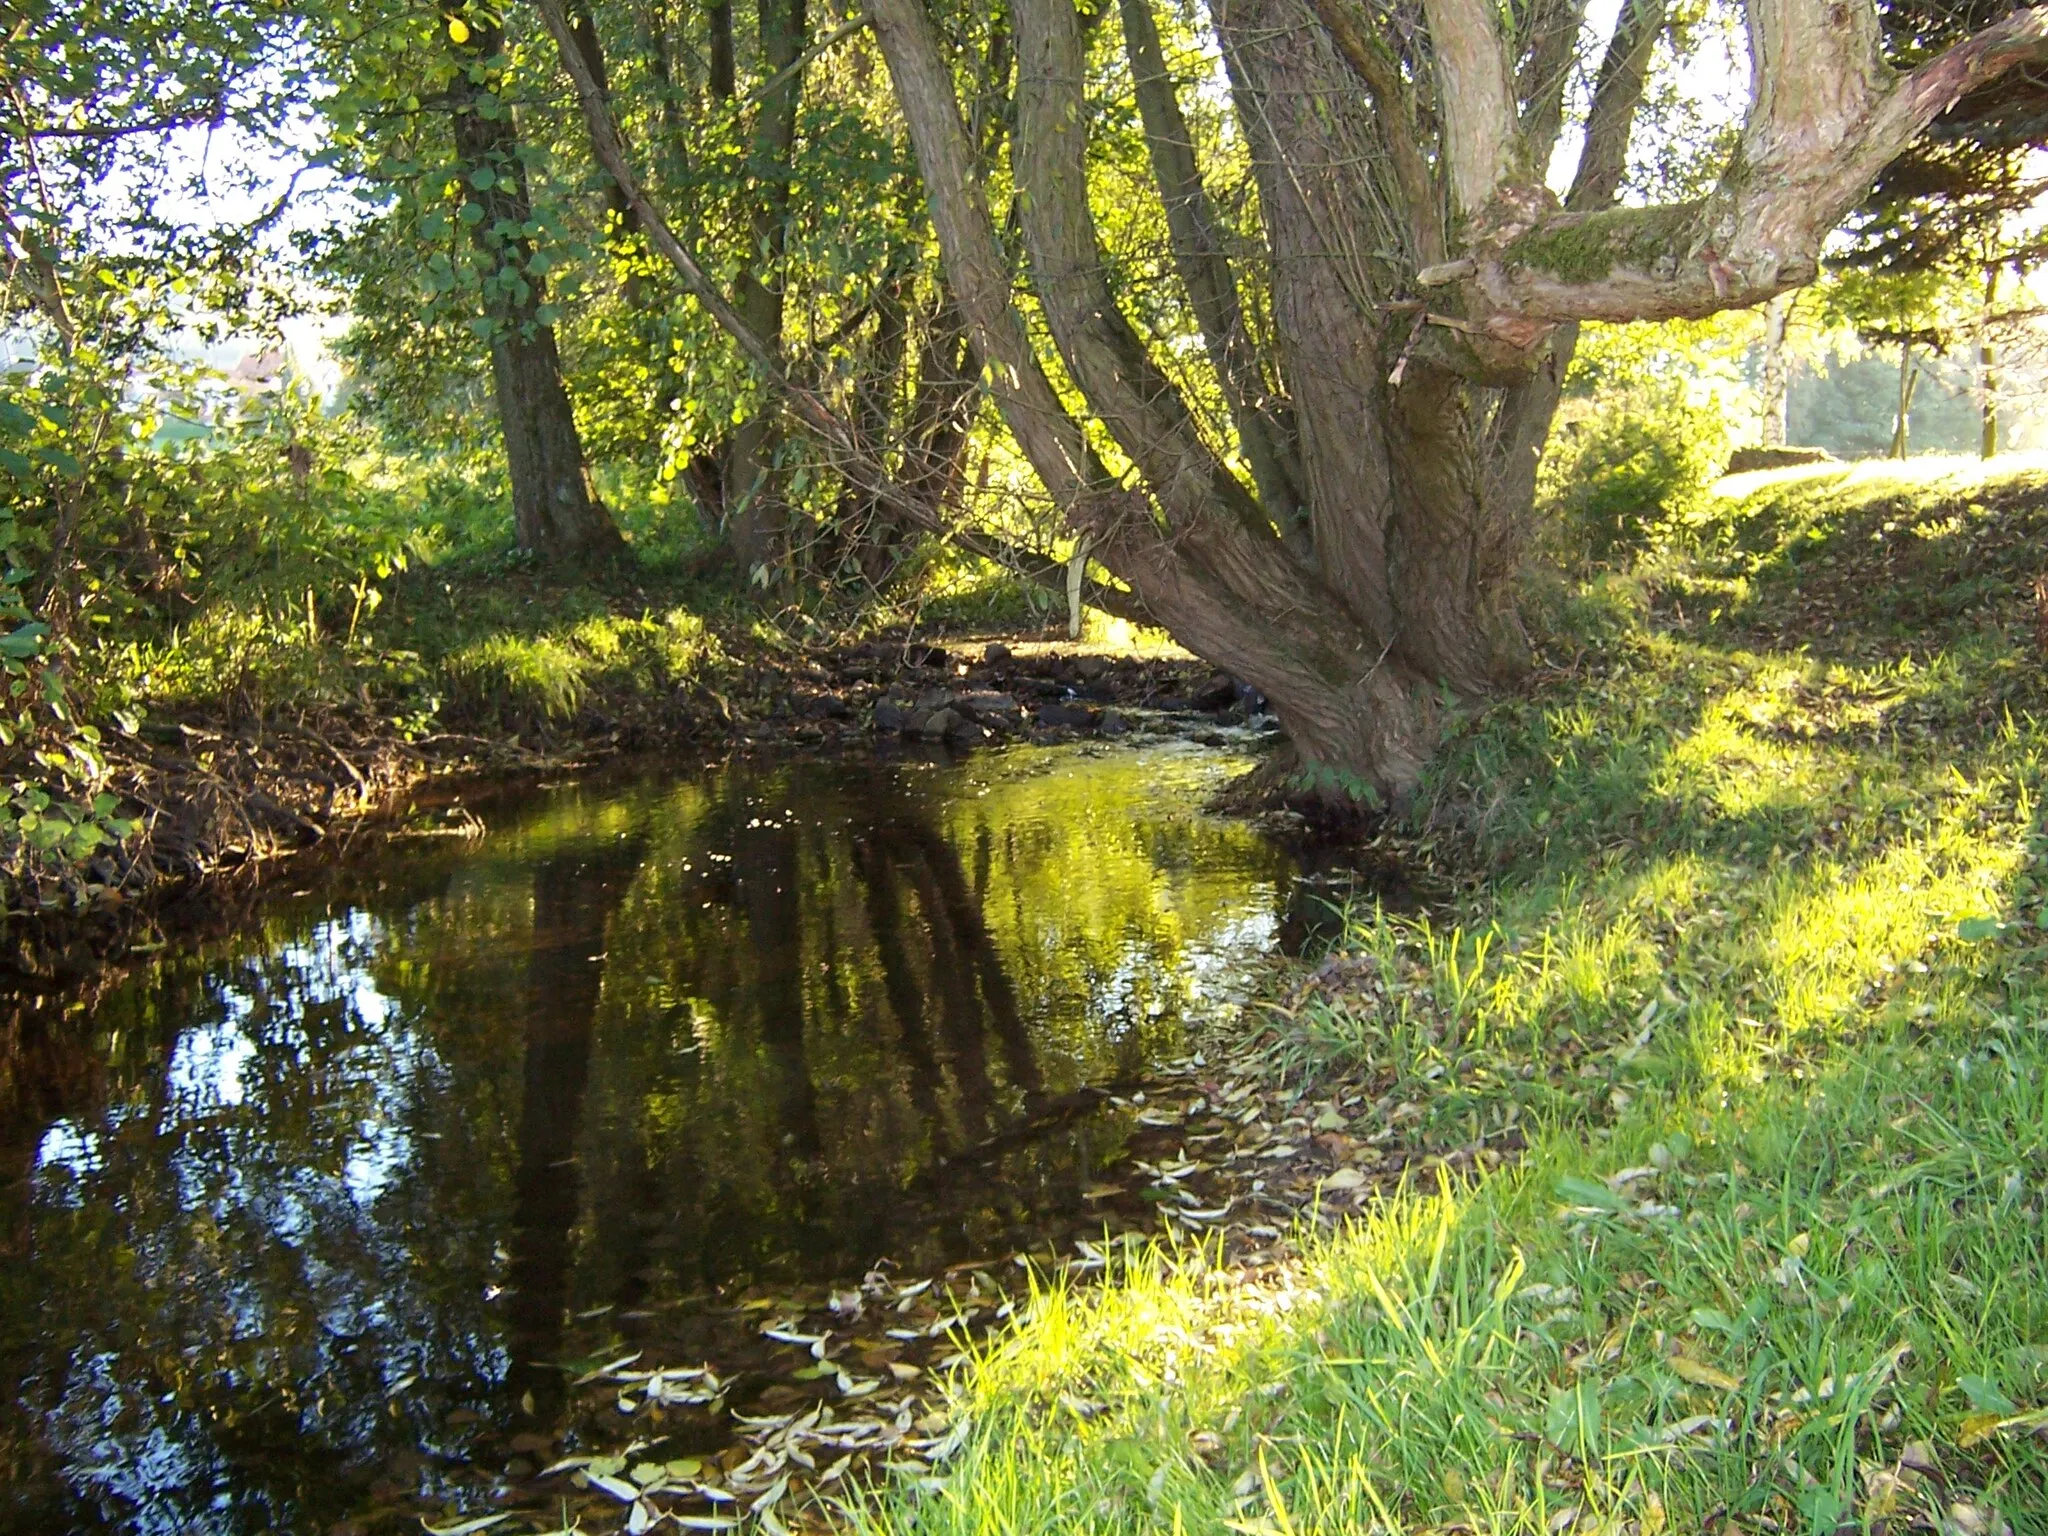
(1573, 1421)
(25, 641)
(1975, 930)
(1577, 1191)
(1985, 1396)
(483, 178)
(471, 213)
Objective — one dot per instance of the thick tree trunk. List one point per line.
(1203, 559)
(757, 515)
(554, 509)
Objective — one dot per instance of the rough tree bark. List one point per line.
(554, 509)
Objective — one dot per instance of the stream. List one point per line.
(297, 1219)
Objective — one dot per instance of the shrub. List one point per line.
(1622, 462)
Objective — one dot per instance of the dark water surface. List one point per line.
(324, 1200)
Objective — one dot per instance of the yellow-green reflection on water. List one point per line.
(310, 1192)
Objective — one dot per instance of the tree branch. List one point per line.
(1617, 94)
(1826, 116)
(809, 56)
(1482, 134)
(1205, 269)
(1396, 118)
(1546, 48)
(1123, 385)
(975, 269)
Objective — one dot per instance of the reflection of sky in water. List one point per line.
(206, 1064)
(303, 1268)
(66, 1154)
(1209, 965)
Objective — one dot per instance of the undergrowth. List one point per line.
(1751, 948)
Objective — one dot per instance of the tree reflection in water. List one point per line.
(574, 896)
(309, 1211)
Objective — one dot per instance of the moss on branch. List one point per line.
(1586, 248)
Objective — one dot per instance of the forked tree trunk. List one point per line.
(1424, 287)
(1356, 601)
(554, 509)
(1902, 419)
(1366, 572)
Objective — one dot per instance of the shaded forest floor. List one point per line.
(1684, 1168)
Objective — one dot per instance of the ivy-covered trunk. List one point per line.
(554, 509)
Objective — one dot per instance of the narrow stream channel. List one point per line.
(315, 1206)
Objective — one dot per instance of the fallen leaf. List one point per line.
(618, 1488)
(1700, 1374)
(1978, 1427)
(481, 1523)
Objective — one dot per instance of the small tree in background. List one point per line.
(1920, 312)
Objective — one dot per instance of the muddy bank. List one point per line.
(226, 804)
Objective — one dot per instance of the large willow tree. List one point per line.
(1348, 540)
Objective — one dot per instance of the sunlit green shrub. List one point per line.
(1621, 463)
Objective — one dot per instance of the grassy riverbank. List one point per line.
(1750, 945)
(280, 655)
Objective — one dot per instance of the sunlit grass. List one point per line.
(547, 676)
(1753, 958)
